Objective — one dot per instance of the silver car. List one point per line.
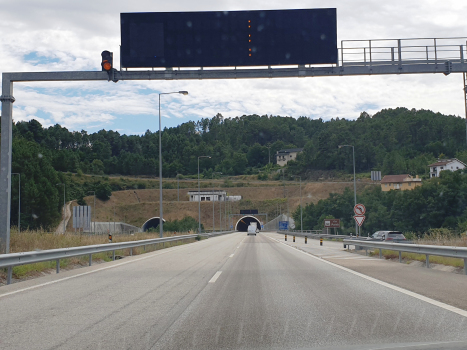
(395, 236)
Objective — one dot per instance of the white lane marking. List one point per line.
(89, 272)
(388, 285)
(355, 258)
(231, 255)
(215, 277)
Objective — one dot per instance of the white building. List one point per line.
(445, 164)
(284, 155)
(212, 195)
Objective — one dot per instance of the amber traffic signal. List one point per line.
(107, 60)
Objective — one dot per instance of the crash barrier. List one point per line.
(427, 250)
(16, 259)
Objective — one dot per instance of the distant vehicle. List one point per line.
(252, 229)
(395, 236)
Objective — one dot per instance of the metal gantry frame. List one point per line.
(356, 57)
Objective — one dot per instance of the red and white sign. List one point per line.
(359, 219)
(359, 209)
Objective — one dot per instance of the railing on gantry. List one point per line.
(402, 51)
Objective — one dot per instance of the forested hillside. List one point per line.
(440, 202)
(394, 141)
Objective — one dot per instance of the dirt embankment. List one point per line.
(136, 206)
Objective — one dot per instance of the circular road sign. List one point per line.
(359, 209)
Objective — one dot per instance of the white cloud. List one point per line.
(71, 35)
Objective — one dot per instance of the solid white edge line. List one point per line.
(385, 284)
(215, 277)
(93, 271)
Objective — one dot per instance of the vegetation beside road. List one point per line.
(394, 141)
(408, 257)
(40, 240)
(439, 203)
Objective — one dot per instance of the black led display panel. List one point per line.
(228, 38)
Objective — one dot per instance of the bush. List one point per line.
(103, 191)
(184, 225)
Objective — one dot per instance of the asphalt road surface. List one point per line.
(228, 292)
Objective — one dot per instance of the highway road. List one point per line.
(229, 292)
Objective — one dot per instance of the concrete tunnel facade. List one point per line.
(244, 222)
(151, 223)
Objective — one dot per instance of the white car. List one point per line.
(252, 230)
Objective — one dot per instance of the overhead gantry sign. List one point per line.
(354, 57)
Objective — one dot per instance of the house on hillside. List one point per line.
(284, 155)
(212, 195)
(445, 164)
(400, 182)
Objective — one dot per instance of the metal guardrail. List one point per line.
(312, 235)
(24, 258)
(427, 250)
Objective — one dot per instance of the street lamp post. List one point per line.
(94, 210)
(213, 226)
(199, 196)
(269, 153)
(354, 183)
(64, 225)
(19, 201)
(178, 187)
(160, 159)
(301, 213)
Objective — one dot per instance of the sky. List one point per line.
(64, 35)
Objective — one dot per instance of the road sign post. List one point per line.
(359, 217)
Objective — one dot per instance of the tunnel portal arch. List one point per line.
(244, 222)
(151, 223)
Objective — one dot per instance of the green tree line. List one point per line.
(393, 140)
(440, 202)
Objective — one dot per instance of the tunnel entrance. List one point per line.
(151, 223)
(244, 222)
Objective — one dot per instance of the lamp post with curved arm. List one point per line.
(161, 229)
(301, 213)
(354, 183)
(199, 196)
(213, 226)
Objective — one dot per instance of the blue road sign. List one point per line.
(283, 225)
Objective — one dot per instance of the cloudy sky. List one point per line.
(60, 35)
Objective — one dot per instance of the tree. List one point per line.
(103, 191)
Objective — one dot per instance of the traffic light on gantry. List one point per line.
(107, 61)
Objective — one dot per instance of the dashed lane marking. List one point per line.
(215, 277)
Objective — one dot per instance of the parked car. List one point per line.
(395, 236)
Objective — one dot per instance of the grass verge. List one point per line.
(30, 241)
(407, 257)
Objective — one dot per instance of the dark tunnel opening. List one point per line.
(242, 224)
(151, 223)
